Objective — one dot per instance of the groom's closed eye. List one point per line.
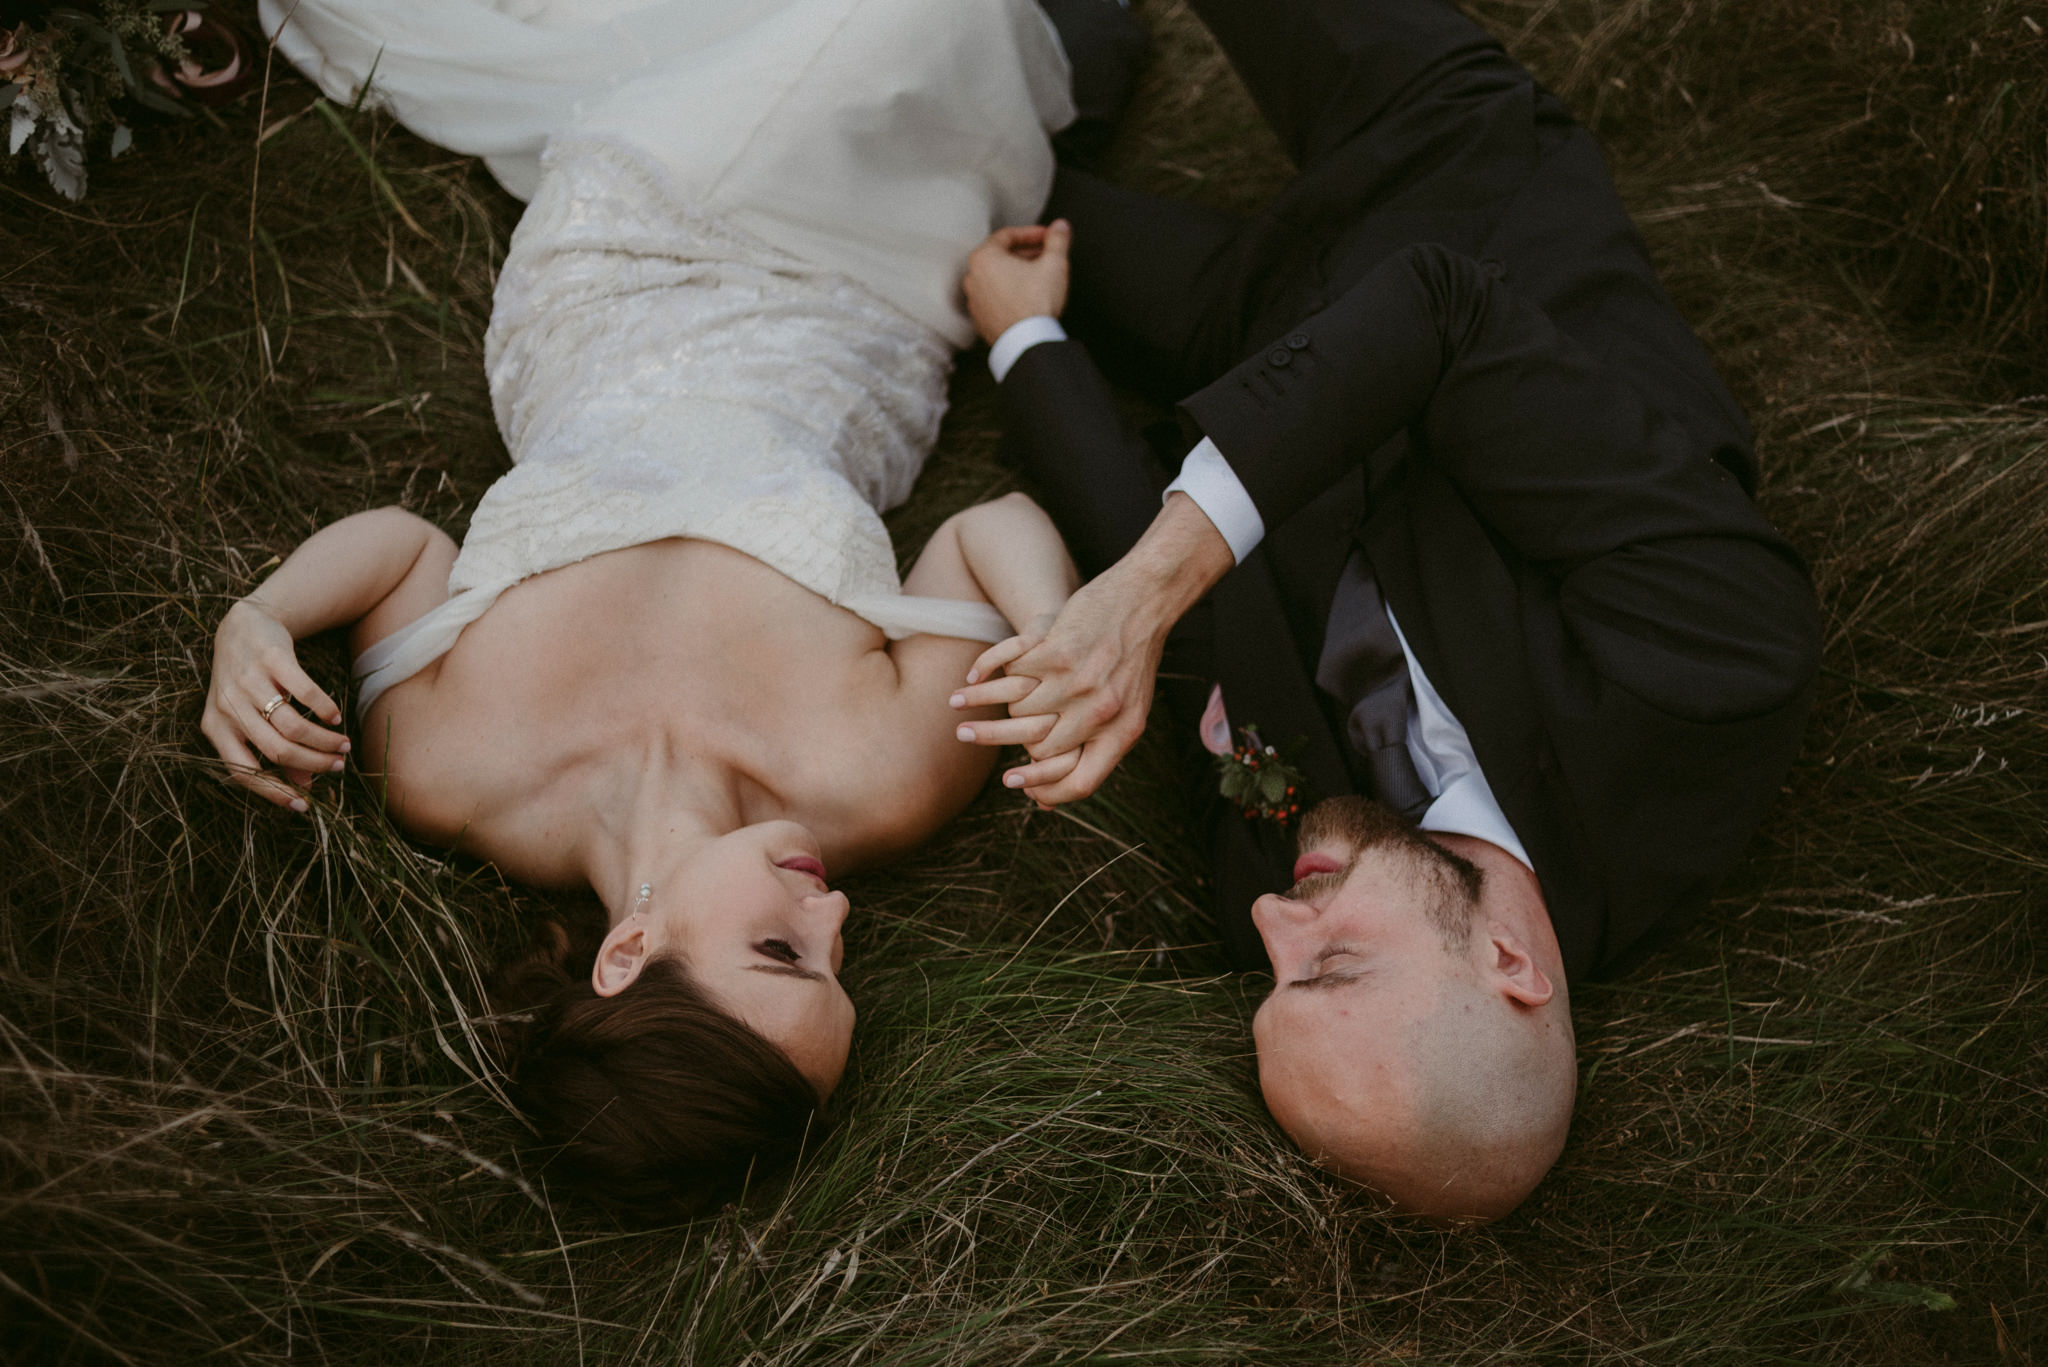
(1343, 975)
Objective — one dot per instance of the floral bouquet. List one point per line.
(68, 71)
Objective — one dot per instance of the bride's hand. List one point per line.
(1017, 273)
(1078, 691)
(250, 709)
(992, 684)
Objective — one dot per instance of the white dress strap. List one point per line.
(902, 614)
(417, 644)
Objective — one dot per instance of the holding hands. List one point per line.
(1079, 689)
(1078, 684)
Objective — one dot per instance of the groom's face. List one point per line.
(1367, 884)
(1373, 938)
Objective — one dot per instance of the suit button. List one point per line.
(1494, 268)
(1279, 355)
(1298, 340)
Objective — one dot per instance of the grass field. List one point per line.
(244, 1112)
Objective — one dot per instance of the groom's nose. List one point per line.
(1274, 914)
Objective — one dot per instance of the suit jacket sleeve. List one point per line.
(1668, 579)
(1093, 473)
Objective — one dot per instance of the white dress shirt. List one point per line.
(1462, 802)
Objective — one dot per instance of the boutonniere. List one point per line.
(1256, 778)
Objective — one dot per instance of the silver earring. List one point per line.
(646, 892)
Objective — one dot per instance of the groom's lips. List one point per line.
(1316, 861)
(803, 863)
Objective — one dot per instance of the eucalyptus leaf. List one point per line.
(8, 92)
(61, 153)
(149, 97)
(123, 139)
(120, 54)
(23, 125)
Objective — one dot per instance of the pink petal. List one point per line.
(1215, 725)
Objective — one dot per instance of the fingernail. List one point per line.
(957, 700)
(337, 767)
(346, 747)
(963, 733)
(298, 804)
(1013, 780)
(974, 676)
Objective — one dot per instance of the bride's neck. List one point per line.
(653, 814)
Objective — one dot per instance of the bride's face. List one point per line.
(753, 920)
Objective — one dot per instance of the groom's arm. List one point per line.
(1150, 562)
(1093, 473)
(1666, 573)
(1058, 414)
(1669, 582)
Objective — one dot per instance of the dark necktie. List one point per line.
(1364, 668)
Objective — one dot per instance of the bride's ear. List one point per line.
(620, 958)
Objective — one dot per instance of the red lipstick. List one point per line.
(803, 863)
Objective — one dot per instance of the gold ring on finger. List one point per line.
(273, 705)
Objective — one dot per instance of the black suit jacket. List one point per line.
(1629, 644)
(1474, 376)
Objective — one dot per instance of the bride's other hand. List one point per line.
(255, 663)
(372, 572)
(1017, 273)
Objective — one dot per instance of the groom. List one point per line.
(1472, 514)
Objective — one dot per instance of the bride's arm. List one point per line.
(1004, 552)
(373, 572)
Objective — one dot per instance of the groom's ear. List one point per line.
(1516, 974)
(620, 958)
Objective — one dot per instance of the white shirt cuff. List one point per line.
(1208, 479)
(1019, 338)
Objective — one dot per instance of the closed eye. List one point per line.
(779, 950)
(1341, 975)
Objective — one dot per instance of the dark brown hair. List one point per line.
(655, 1102)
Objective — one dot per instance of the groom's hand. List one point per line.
(1079, 691)
(1017, 273)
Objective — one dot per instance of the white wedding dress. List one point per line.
(730, 308)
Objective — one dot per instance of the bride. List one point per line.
(673, 661)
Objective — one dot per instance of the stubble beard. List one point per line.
(1450, 885)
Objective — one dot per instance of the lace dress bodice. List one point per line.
(656, 374)
(729, 310)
